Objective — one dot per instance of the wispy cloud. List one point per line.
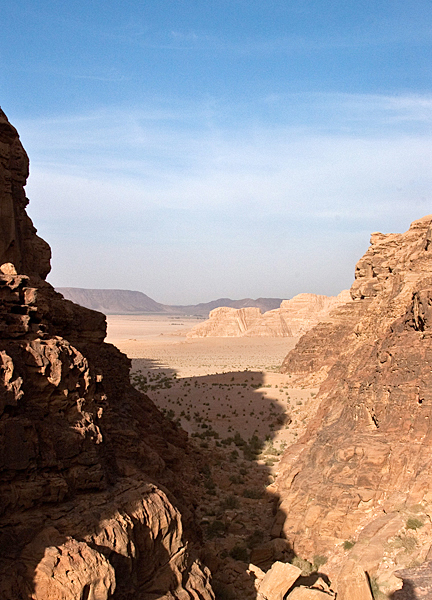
(169, 181)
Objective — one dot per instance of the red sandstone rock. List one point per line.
(86, 461)
(278, 580)
(363, 467)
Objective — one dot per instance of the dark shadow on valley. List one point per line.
(233, 436)
(226, 475)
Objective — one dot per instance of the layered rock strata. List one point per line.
(293, 318)
(358, 484)
(97, 489)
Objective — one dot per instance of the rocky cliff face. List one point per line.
(293, 318)
(86, 461)
(358, 485)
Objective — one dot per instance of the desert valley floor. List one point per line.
(227, 394)
(230, 383)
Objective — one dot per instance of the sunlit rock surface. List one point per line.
(358, 484)
(293, 318)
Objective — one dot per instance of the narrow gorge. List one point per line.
(102, 496)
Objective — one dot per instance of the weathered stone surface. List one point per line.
(278, 580)
(293, 318)
(70, 569)
(85, 459)
(352, 583)
(363, 468)
(227, 322)
(277, 549)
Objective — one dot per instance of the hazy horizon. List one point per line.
(235, 149)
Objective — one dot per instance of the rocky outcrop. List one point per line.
(19, 243)
(293, 318)
(86, 460)
(358, 484)
(227, 322)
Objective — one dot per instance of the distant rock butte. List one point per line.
(124, 302)
(293, 318)
(96, 486)
(358, 484)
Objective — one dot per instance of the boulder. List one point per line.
(278, 580)
(352, 583)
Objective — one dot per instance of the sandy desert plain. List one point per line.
(226, 384)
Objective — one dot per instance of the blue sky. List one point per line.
(198, 149)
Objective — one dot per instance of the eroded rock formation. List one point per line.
(358, 485)
(293, 318)
(86, 460)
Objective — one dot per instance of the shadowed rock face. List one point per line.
(86, 461)
(364, 467)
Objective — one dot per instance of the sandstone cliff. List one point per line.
(358, 484)
(293, 318)
(86, 461)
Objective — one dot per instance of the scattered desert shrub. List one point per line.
(413, 523)
(319, 561)
(230, 502)
(236, 479)
(216, 529)
(222, 592)
(256, 538)
(348, 544)
(238, 440)
(240, 553)
(374, 586)
(408, 542)
(233, 456)
(255, 494)
(302, 564)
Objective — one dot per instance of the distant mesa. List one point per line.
(112, 302)
(128, 302)
(293, 318)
